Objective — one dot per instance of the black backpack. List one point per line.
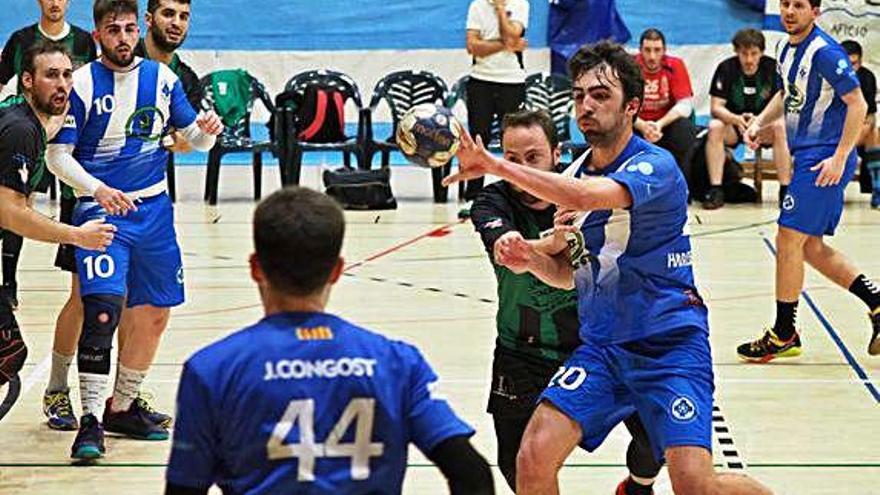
(320, 115)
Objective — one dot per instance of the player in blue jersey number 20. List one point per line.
(643, 324)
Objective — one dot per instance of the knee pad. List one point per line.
(13, 353)
(101, 315)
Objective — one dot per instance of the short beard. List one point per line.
(162, 42)
(111, 56)
(605, 138)
(45, 106)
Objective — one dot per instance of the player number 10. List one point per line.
(101, 266)
(302, 413)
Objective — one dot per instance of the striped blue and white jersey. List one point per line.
(117, 119)
(639, 280)
(815, 73)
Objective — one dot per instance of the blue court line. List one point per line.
(860, 372)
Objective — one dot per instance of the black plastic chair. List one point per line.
(552, 92)
(402, 91)
(236, 137)
(293, 148)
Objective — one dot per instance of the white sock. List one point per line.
(128, 386)
(91, 391)
(58, 375)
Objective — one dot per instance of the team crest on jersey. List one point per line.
(166, 90)
(788, 202)
(794, 99)
(314, 333)
(142, 122)
(683, 409)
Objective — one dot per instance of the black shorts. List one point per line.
(65, 258)
(517, 382)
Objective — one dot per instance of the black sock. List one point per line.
(867, 291)
(11, 249)
(633, 488)
(786, 312)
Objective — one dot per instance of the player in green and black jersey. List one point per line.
(81, 49)
(24, 125)
(537, 324)
(167, 26)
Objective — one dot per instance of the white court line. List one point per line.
(38, 374)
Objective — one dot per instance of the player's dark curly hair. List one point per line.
(298, 236)
(608, 56)
(103, 8)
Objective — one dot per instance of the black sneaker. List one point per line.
(714, 199)
(155, 416)
(874, 343)
(89, 443)
(10, 293)
(134, 423)
(769, 347)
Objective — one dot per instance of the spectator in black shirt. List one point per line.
(868, 144)
(741, 87)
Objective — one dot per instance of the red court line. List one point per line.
(435, 232)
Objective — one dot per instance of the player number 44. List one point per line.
(301, 412)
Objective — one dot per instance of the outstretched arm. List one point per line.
(566, 192)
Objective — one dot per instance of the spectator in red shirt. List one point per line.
(665, 117)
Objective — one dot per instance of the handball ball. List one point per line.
(428, 135)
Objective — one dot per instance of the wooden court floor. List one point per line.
(804, 427)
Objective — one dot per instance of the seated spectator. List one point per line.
(665, 117)
(868, 144)
(741, 87)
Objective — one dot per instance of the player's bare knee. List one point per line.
(814, 248)
(153, 321)
(532, 465)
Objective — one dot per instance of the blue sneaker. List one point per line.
(875, 199)
(136, 422)
(58, 411)
(89, 443)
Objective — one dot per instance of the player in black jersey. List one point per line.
(741, 88)
(46, 76)
(81, 49)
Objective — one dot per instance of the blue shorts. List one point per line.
(666, 378)
(143, 263)
(810, 209)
